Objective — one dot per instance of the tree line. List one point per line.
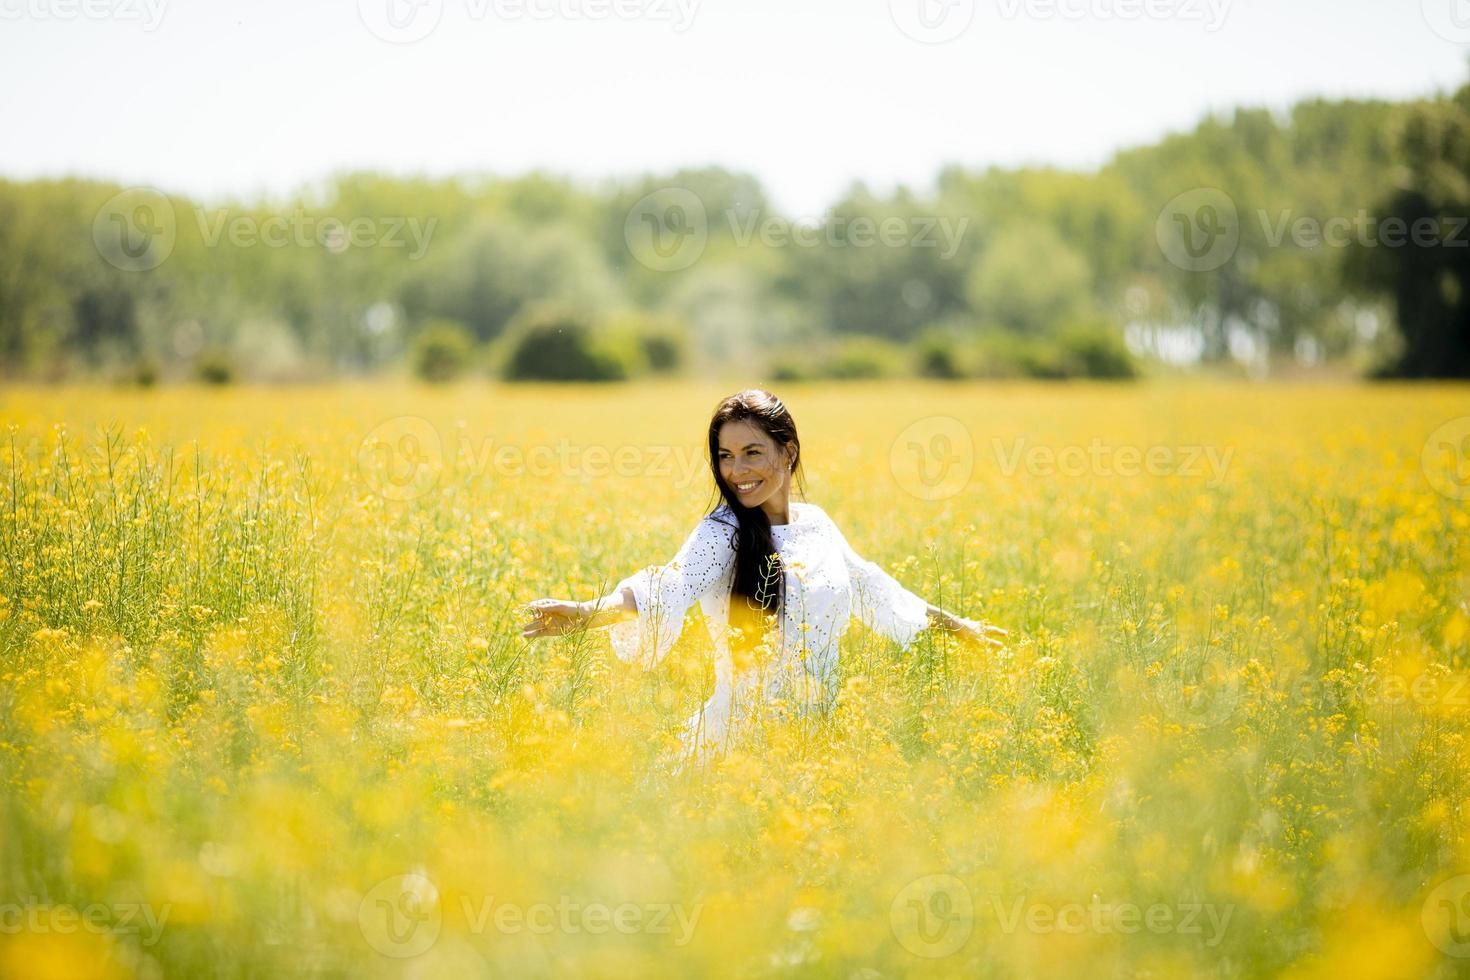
(1333, 233)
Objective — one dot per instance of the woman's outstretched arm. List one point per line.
(555, 617)
(970, 630)
(656, 597)
(883, 603)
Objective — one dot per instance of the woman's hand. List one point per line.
(553, 617)
(975, 633)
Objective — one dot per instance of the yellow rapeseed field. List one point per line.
(265, 712)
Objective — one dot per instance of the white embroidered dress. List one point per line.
(827, 584)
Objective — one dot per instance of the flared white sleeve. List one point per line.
(879, 600)
(665, 593)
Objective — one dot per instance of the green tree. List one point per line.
(1029, 280)
(498, 267)
(1427, 275)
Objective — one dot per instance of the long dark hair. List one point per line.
(759, 588)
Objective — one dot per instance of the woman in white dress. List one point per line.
(776, 580)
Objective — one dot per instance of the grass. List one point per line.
(264, 710)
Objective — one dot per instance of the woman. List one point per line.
(776, 579)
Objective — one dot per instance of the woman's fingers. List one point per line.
(551, 607)
(549, 616)
(980, 634)
(552, 617)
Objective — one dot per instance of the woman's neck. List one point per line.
(778, 512)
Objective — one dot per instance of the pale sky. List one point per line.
(226, 97)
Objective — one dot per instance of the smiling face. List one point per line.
(755, 468)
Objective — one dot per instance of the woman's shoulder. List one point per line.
(722, 514)
(720, 522)
(810, 510)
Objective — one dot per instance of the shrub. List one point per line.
(1001, 353)
(145, 371)
(789, 367)
(663, 352)
(442, 350)
(555, 345)
(214, 367)
(938, 356)
(1095, 351)
(1086, 350)
(855, 358)
(650, 342)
